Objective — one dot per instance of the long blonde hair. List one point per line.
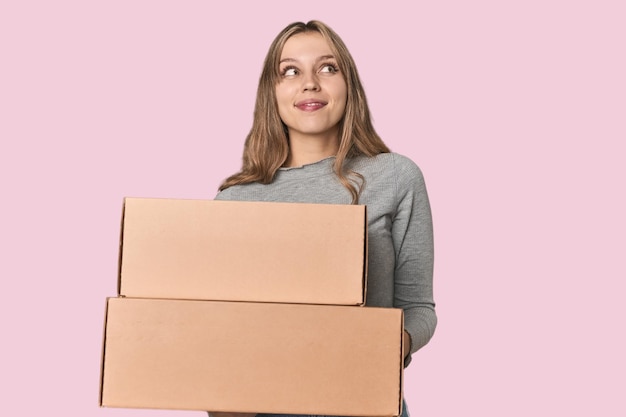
(267, 147)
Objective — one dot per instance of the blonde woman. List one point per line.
(312, 140)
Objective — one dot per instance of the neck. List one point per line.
(307, 149)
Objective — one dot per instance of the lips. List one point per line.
(310, 104)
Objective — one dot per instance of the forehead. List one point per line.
(308, 45)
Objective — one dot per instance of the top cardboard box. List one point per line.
(243, 251)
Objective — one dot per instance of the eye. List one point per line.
(289, 72)
(329, 68)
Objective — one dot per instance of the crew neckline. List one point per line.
(320, 162)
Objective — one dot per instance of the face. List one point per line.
(312, 92)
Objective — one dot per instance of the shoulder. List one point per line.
(402, 161)
(223, 195)
(407, 174)
(236, 192)
(401, 167)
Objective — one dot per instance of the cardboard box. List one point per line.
(252, 357)
(244, 251)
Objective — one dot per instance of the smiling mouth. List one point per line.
(310, 105)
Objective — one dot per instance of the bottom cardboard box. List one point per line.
(252, 357)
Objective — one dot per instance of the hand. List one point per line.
(407, 344)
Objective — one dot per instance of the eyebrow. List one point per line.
(320, 58)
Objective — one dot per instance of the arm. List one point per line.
(412, 236)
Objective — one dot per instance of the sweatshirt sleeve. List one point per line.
(412, 235)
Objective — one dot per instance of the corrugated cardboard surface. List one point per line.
(244, 251)
(252, 357)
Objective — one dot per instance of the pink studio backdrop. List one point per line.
(515, 110)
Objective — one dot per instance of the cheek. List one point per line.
(283, 98)
(343, 94)
(341, 91)
(283, 103)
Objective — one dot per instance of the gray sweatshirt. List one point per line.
(400, 269)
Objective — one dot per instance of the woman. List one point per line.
(312, 141)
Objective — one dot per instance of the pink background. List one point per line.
(515, 110)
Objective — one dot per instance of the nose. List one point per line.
(310, 83)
